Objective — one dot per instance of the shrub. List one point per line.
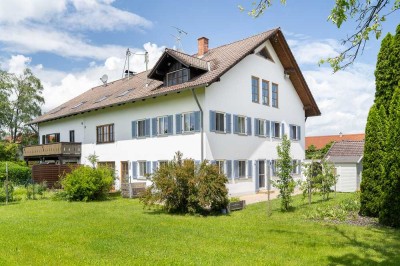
(3, 192)
(182, 187)
(32, 190)
(17, 173)
(86, 183)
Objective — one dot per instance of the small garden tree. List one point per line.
(311, 172)
(182, 187)
(326, 179)
(284, 166)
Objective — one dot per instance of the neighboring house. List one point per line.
(347, 157)
(230, 105)
(320, 142)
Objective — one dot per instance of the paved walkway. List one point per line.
(263, 196)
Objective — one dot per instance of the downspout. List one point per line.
(201, 125)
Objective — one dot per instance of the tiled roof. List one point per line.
(219, 59)
(320, 141)
(346, 151)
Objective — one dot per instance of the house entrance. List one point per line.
(261, 174)
(124, 172)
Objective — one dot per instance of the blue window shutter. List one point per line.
(147, 127)
(228, 123)
(250, 168)
(178, 123)
(212, 120)
(154, 127)
(256, 127)
(283, 129)
(148, 167)
(197, 117)
(291, 131)
(273, 129)
(170, 124)
(249, 126)
(134, 169)
(235, 124)
(154, 167)
(299, 132)
(134, 131)
(235, 169)
(267, 128)
(229, 169)
(256, 175)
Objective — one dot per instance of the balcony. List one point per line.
(59, 149)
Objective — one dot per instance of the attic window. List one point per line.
(265, 53)
(102, 98)
(177, 77)
(124, 93)
(57, 110)
(78, 105)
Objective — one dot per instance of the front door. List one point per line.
(261, 173)
(124, 172)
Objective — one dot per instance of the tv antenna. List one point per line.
(178, 38)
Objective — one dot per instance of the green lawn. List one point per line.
(120, 232)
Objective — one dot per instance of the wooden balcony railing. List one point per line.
(53, 149)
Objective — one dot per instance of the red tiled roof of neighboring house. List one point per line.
(216, 61)
(346, 151)
(320, 141)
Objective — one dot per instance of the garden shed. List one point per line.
(347, 157)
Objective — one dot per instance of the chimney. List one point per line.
(202, 46)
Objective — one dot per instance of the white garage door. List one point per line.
(347, 181)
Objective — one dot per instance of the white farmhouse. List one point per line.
(230, 105)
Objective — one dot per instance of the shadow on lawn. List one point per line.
(386, 253)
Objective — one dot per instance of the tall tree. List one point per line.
(24, 100)
(368, 15)
(390, 211)
(285, 182)
(373, 163)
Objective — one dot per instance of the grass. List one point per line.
(120, 232)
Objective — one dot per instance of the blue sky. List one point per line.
(69, 44)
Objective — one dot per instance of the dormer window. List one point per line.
(177, 77)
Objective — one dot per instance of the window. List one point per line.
(220, 122)
(110, 165)
(52, 138)
(141, 128)
(163, 126)
(265, 92)
(177, 77)
(242, 169)
(254, 90)
(72, 136)
(265, 53)
(105, 133)
(294, 132)
(296, 167)
(220, 165)
(274, 95)
(188, 122)
(261, 127)
(276, 129)
(274, 168)
(241, 122)
(43, 139)
(162, 163)
(143, 171)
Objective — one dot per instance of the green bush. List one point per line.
(17, 173)
(33, 190)
(182, 187)
(3, 192)
(86, 183)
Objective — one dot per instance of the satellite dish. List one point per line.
(104, 79)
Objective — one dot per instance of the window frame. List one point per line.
(253, 94)
(191, 121)
(261, 123)
(72, 136)
(294, 128)
(263, 81)
(279, 130)
(56, 138)
(275, 102)
(221, 166)
(223, 121)
(244, 162)
(162, 123)
(295, 169)
(145, 170)
(177, 77)
(140, 121)
(101, 138)
(244, 118)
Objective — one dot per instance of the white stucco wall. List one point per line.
(232, 94)
(348, 180)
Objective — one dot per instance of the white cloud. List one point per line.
(17, 64)
(344, 99)
(311, 52)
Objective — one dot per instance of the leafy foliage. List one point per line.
(33, 190)
(4, 191)
(390, 210)
(285, 183)
(17, 173)
(22, 103)
(326, 179)
(373, 163)
(9, 151)
(182, 187)
(369, 17)
(313, 153)
(86, 183)
(311, 172)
